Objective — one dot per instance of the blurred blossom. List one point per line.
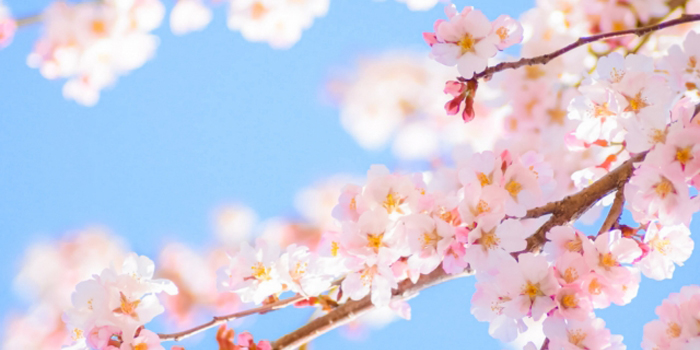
(315, 203)
(234, 223)
(48, 275)
(194, 274)
(276, 22)
(398, 98)
(91, 44)
(189, 16)
(50, 270)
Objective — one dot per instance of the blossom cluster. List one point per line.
(47, 276)
(110, 310)
(678, 326)
(468, 39)
(91, 44)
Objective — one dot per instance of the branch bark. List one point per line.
(544, 59)
(355, 308)
(615, 211)
(571, 207)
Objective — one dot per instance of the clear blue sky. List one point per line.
(214, 119)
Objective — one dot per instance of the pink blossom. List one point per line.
(668, 245)
(532, 285)
(146, 340)
(8, 26)
(509, 31)
(659, 193)
(465, 40)
(607, 254)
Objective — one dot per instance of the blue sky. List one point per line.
(215, 119)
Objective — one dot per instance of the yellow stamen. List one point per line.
(483, 179)
(392, 203)
(576, 337)
(489, 240)
(430, 239)
(570, 275)
(260, 272)
(502, 33)
(684, 155)
(141, 346)
(607, 261)
(664, 187)
(375, 241)
(334, 248)
(636, 103)
(532, 290)
(258, 10)
(574, 245)
(513, 187)
(595, 287)
(569, 301)
(674, 330)
(482, 207)
(467, 43)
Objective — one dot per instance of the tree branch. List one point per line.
(217, 320)
(571, 207)
(544, 59)
(615, 211)
(355, 308)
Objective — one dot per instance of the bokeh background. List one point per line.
(211, 120)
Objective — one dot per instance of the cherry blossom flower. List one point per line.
(189, 16)
(277, 22)
(668, 245)
(253, 274)
(659, 193)
(465, 40)
(574, 334)
(532, 285)
(608, 252)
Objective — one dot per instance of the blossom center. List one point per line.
(658, 136)
(489, 240)
(664, 187)
(334, 248)
(532, 290)
(126, 307)
(483, 179)
(374, 241)
(534, 72)
(482, 207)
(674, 330)
(569, 301)
(574, 245)
(467, 43)
(141, 346)
(258, 10)
(99, 27)
(607, 261)
(576, 337)
(684, 155)
(430, 239)
(636, 103)
(260, 272)
(570, 275)
(502, 33)
(392, 203)
(513, 187)
(661, 245)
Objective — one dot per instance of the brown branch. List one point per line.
(615, 211)
(571, 207)
(34, 19)
(544, 59)
(355, 308)
(545, 344)
(217, 320)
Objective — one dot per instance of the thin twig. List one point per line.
(355, 308)
(615, 211)
(217, 320)
(545, 344)
(544, 59)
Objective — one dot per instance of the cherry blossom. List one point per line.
(8, 26)
(188, 16)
